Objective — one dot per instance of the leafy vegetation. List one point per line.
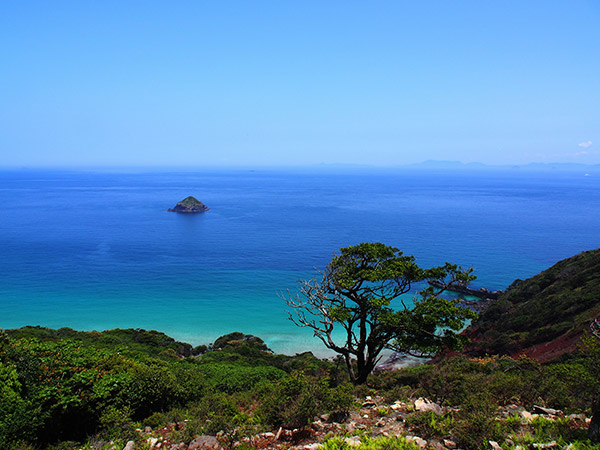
(559, 302)
(58, 390)
(65, 389)
(355, 293)
(63, 385)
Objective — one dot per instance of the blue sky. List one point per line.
(97, 83)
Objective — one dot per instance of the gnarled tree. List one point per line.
(356, 292)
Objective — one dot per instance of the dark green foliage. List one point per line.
(237, 340)
(232, 378)
(355, 294)
(63, 385)
(294, 400)
(557, 302)
(130, 341)
(475, 422)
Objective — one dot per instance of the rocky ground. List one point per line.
(374, 418)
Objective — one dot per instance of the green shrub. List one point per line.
(429, 425)
(476, 423)
(231, 378)
(389, 443)
(295, 400)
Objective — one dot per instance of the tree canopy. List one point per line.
(356, 292)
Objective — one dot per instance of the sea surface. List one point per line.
(98, 250)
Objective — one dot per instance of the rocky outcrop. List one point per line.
(461, 288)
(375, 418)
(189, 205)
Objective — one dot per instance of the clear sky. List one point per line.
(287, 83)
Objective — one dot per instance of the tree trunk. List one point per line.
(594, 429)
(362, 372)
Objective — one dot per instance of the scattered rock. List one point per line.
(449, 444)
(316, 425)
(436, 445)
(152, 441)
(398, 405)
(421, 443)
(547, 445)
(541, 410)
(267, 435)
(353, 441)
(423, 404)
(204, 442)
(494, 445)
(527, 416)
(313, 446)
(278, 435)
(129, 446)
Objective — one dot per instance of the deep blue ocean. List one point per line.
(98, 250)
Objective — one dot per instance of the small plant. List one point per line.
(514, 421)
(429, 425)
(382, 412)
(295, 400)
(367, 443)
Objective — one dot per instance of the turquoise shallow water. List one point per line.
(98, 250)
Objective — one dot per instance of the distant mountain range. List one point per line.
(457, 165)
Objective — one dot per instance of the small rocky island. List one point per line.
(189, 205)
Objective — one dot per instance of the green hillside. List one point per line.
(544, 316)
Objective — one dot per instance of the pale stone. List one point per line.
(267, 435)
(313, 446)
(494, 445)
(422, 404)
(549, 411)
(449, 444)
(204, 443)
(546, 445)
(422, 443)
(353, 441)
(526, 415)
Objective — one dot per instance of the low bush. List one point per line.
(295, 400)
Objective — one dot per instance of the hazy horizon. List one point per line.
(282, 84)
(420, 166)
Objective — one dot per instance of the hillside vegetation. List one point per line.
(66, 389)
(544, 316)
